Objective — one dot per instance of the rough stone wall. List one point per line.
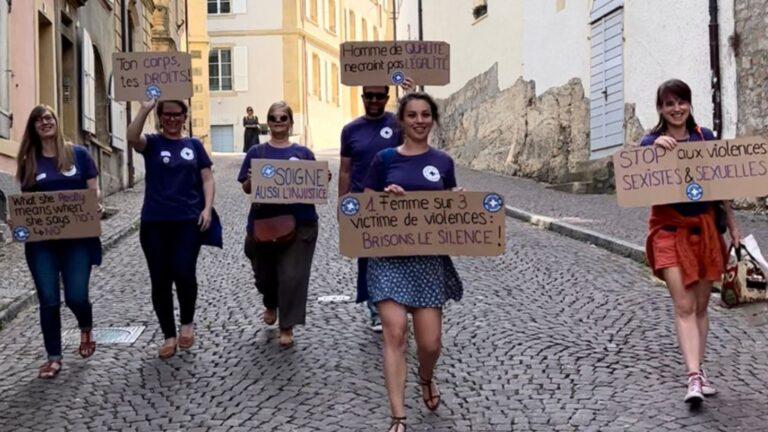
(514, 132)
(752, 65)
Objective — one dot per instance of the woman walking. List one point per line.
(251, 133)
(685, 247)
(176, 217)
(281, 266)
(419, 285)
(46, 163)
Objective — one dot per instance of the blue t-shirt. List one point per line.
(430, 171)
(302, 212)
(694, 208)
(48, 178)
(362, 138)
(174, 183)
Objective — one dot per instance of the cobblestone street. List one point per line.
(555, 335)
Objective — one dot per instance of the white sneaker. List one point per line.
(694, 395)
(706, 386)
(376, 325)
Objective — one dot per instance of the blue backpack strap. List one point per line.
(387, 155)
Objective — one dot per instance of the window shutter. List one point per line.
(5, 105)
(88, 82)
(239, 6)
(241, 68)
(117, 114)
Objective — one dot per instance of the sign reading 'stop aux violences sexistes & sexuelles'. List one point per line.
(387, 63)
(691, 172)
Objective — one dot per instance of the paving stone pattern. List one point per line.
(553, 336)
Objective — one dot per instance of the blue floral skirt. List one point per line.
(418, 281)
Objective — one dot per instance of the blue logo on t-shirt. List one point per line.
(154, 92)
(268, 171)
(694, 191)
(350, 206)
(493, 202)
(21, 234)
(397, 77)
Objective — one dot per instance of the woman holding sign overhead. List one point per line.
(420, 285)
(177, 217)
(685, 247)
(280, 238)
(46, 163)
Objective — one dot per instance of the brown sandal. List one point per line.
(269, 316)
(430, 397)
(49, 369)
(396, 423)
(167, 351)
(286, 338)
(87, 346)
(186, 342)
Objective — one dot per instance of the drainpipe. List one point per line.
(186, 35)
(124, 47)
(304, 99)
(714, 64)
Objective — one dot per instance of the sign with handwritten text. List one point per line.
(422, 223)
(68, 214)
(141, 76)
(691, 172)
(389, 63)
(289, 181)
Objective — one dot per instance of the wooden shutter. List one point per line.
(118, 120)
(88, 83)
(240, 68)
(606, 89)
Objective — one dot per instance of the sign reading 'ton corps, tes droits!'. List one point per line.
(142, 76)
(422, 223)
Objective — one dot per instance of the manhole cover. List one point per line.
(105, 335)
(334, 299)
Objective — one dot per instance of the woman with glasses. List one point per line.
(46, 163)
(251, 134)
(281, 268)
(177, 217)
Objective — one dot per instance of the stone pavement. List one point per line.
(554, 336)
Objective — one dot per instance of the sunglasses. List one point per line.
(278, 119)
(375, 96)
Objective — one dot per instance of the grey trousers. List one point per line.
(282, 273)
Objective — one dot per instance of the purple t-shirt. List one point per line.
(362, 138)
(302, 212)
(48, 178)
(174, 183)
(430, 171)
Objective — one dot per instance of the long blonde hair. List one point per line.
(32, 146)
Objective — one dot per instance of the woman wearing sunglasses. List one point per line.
(47, 164)
(281, 266)
(177, 217)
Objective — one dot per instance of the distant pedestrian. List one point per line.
(280, 238)
(685, 247)
(420, 285)
(46, 163)
(252, 129)
(177, 217)
(361, 139)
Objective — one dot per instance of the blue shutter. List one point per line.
(606, 93)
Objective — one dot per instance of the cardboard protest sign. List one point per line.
(387, 63)
(289, 181)
(422, 223)
(693, 171)
(68, 214)
(140, 76)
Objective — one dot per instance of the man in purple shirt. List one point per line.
(361, 139)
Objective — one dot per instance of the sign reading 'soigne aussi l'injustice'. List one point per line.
(691, 172)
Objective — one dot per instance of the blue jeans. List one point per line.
(52, 263)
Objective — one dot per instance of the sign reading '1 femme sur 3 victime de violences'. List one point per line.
(289, 181)
(387, 63)
(142, 76)
(693, 171)
(422, 223)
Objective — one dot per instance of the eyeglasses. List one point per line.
(277, 119)
(46, 119)
(173, 115)
(375, 96)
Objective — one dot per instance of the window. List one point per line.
(223, 138)
(316, 75)
(364, 25)
(313, 10)
(352, 27)
(216, 7)
(332, 15)
(335, 84)
(220, 69)
(480, 9)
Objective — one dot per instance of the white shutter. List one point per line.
(117, 114)
(239, 6)
(5, 106)
(88, 82)
(606, 88)
(240, 59)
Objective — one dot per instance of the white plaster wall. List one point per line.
(556, 46)
(407, 20)
(475, 45)
(728, 70)
(666, 39)
(259, 15)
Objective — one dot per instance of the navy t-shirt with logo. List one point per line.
(430, 171)
(174, 183)
(362, 138)
(48, 178)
